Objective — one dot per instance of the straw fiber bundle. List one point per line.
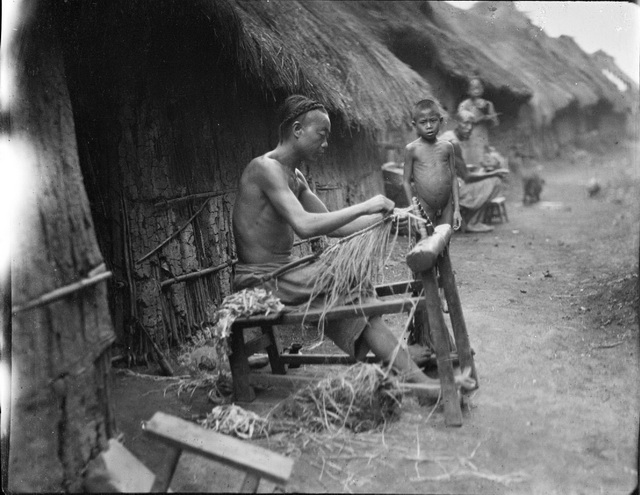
(349, 269)
(360, 398)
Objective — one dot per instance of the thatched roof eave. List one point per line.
(329, 56)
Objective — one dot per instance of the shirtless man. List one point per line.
(274, 201)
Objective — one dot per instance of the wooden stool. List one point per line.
(180, 435)
(241, 350)
(496, 210)
(433, 325)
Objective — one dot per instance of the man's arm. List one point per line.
(455, 192)
(477, 176)
(312, 203)
(492, 116)
(463, 172)
(305, 224)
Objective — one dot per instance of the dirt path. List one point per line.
(547, 300)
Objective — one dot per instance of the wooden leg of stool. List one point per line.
(439, 334)
(239, 364)
(455, 312)
(420, 332)
(273, 350)
(163, 480)
(504, 212)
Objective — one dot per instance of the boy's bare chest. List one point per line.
(431, 158)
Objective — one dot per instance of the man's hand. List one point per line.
(400, 219)
(379, 204)
(457, 219)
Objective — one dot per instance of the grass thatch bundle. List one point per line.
(360, 398)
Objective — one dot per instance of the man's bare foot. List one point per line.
(427, 390)
(479, 228)
(419, 354)
(464, 380)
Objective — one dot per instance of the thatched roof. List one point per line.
(322, 50)
(558, 71)
(423, 28)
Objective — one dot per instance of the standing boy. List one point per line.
(429, 167)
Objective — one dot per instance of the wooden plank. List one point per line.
(455, 313)
(236, 453)
(289, 316)
(376, 308)
(118, 470)
(440, 336)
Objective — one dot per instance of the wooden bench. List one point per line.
(241, 349)
(402, 296)
(180, 435)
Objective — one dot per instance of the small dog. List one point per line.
(532, 184)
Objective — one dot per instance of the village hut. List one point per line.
(172, 99)
(574, 103)
(549, 93)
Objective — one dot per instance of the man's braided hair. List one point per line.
(294, 106)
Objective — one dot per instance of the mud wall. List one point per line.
(61, 415)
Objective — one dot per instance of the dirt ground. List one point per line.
(550, 302)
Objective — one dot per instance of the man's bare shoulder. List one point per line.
(263, 167)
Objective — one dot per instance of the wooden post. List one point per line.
(455, 313)
(439, 335)
(250, 483)
(273, 350)
(239, 363)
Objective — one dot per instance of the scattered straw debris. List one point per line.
(246, 302)
(234, 420)
(219, 386)
(360, 398)
(462, 466)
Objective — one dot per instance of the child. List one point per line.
(485, 117)
(429, 164)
